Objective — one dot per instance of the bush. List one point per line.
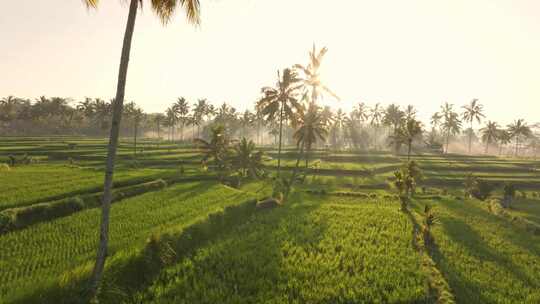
(509, 192)
(4, 167)
(477, 188)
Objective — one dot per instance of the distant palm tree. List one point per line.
(393, 117)
(504, 137)
(489, 134)
(172, 118)
(137, 115)
(517, 129)
(435, 120)
(247, 159)
(361, 112)
(376, 114)
(217, 149)
(451, 124)
(200, 110)
(472, 112)
(339, 122)
(311, 126)
(411, 130)
(410, 112)
(158, 120)
(281, 102)
(181, 109)
(246, 120)
(312, 80)
(165, 10)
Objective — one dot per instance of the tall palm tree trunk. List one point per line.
(280, 134)
(97, 273)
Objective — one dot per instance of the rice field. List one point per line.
(314, 249)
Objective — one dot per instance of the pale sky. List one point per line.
(420, 52)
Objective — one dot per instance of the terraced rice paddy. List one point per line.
(315, 249)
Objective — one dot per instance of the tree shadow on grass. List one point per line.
(467, 289)
(245, 264)
(511, 233)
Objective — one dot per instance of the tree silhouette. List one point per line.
(473, 111)
(281, 102)
(519, 129)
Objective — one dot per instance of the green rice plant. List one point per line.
(27, 185)
(485, 258)
(333, 251)
(69, 243)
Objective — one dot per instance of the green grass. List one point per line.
(28, 184)
(527, 208)
(39, 255)
(339, 251)
(484, 258)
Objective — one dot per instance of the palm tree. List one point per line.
(170, 113)
(137, 115)
(165, 10)
(361, 112)
(376, 114)
(311, 126)
(312, 81)
(393, 117)
(473, 111)
(246, 159)
(158, 120)
(216, 149)
(259, 119)
(339, 121)
(517, 129)
(411, 130)
(451, 124)
(199, 111)
(435, 121)
(281, 102)
(181, 108)
(246, 120)
(410, 112)
(504, 137)
(490, 133)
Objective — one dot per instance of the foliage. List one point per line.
(429, 220)
(217, 150)
(477, 188)
(247, 160)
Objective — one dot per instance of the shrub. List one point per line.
(428, 222)
(509, 192)
(477, 188)
(12, 160)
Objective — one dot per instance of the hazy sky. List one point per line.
(420, 52)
